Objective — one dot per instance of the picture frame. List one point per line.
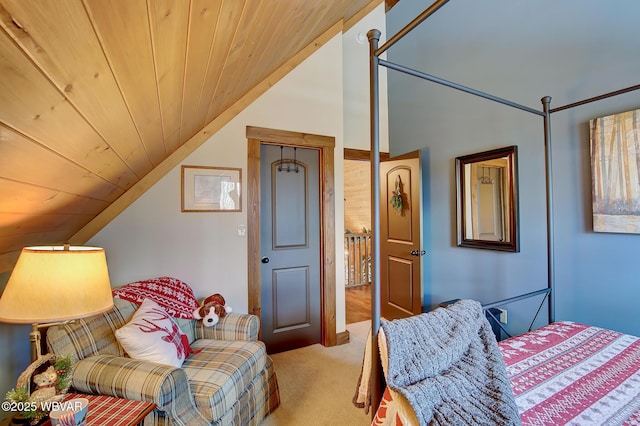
(615, 172)
(211, 189)
(487, 200)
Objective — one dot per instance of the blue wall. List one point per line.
(15, 354)
(521, 51)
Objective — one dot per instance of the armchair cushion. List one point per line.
(127, 378)
(92, 335)
(220, 372)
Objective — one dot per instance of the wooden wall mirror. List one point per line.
(487, 201)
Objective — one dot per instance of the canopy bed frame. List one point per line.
(376, 62)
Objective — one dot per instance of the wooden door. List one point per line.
(290, 247)
(400, 237)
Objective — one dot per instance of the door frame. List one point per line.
(257, 136)
(362, 155)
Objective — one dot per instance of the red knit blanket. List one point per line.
(175, 296)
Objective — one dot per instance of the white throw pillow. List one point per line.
(152, 335)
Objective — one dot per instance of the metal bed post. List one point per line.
(411, 25)
(375, 385)
(466, 89)
(596, 98)
(546, 103)
(374, 64)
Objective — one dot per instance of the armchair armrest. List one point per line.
(233, 326)
(164, 385)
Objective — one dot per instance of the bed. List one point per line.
(562, 373)
(572, 373)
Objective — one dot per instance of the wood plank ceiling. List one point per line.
(95, 94)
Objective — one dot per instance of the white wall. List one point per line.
(356, 84)
(153, 237)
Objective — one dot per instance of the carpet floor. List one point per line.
(317, 383)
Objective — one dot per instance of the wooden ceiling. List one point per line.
(96, 94)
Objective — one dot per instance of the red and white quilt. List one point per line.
(568, 373)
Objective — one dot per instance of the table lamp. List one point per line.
(54, 284)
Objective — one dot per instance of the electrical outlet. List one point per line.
(503, 316)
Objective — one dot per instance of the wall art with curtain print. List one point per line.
(615, 169)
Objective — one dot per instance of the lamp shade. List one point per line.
(56, 283)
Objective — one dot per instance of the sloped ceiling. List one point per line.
(96, 94)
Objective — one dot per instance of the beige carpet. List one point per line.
(317, 383)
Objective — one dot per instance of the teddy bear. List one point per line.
(45, 385)
(212, 309)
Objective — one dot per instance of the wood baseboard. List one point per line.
(342, 338)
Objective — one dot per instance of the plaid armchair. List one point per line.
(230, 381)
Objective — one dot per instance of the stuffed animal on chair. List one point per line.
(212, 309)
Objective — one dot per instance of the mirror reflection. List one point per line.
(487, 200)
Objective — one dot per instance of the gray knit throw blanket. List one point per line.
(448, 366)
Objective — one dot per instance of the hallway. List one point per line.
(358, 303)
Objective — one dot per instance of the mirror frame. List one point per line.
(514, 244)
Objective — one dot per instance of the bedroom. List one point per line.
(586, 260)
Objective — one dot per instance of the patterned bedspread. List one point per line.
(571, 373)
(564, 373)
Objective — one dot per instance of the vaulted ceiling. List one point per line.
(97, 95)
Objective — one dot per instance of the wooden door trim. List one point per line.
(326, 145)
(362, 155)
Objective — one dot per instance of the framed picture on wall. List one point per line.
(211, 189)
(615, 171)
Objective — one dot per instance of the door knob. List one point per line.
(418, 252)
(265, 260)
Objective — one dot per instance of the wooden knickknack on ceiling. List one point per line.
(326, 145)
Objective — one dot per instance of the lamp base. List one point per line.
(35, 337)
